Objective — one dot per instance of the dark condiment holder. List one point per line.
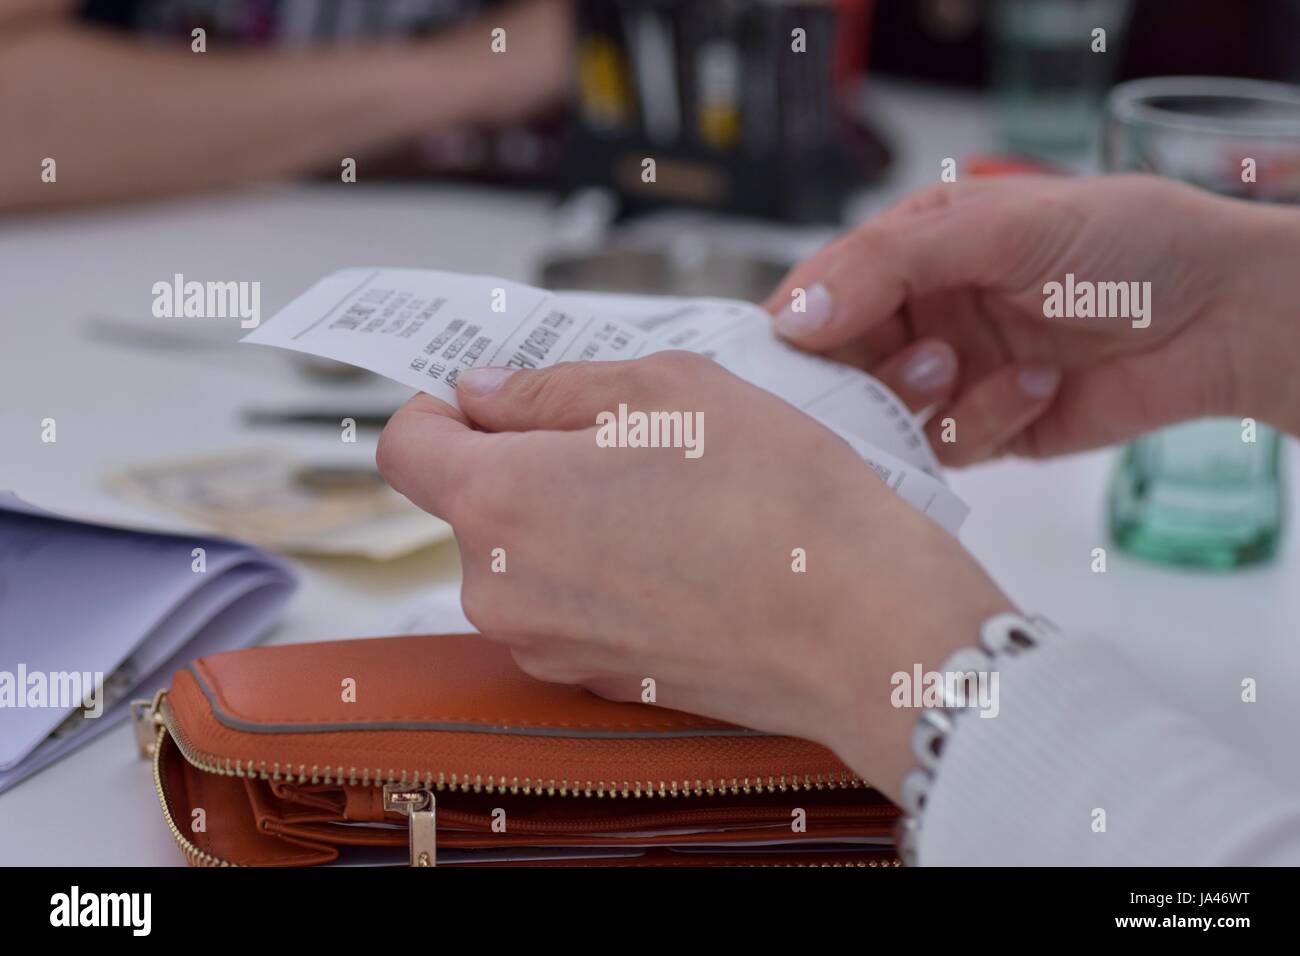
(743, 108)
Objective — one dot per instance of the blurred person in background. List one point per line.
(115, 92)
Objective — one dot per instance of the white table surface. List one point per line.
(1033, 525)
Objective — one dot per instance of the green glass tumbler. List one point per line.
(1206, 493)
(1197, 494)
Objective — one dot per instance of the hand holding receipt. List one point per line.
(424, 328)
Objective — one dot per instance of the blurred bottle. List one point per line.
(1205, 493)
(1051, 70)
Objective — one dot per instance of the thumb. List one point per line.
(888, 262)
(569, 396)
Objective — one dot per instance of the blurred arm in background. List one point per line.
(126, 118)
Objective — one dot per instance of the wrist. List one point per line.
(885, 678)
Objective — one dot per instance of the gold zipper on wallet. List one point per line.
(414, 796)
(439, 780)
(420, 807)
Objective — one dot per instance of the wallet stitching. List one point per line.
(225, 714)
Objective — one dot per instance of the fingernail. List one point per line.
(480, 381)
(1039, 381)
(931, 368)
(814, 312)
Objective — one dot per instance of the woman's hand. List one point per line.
(966, 264)
(620, 564)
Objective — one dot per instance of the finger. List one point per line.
(922, 375)
(1107, 404)
(870, 349)
(992, 412)
(427, 404)
(807, 272)
(569, 396)
(426, 451)
(670, 696)
(938, 196)
(889, 262)
(619, 688)
(550, 667)
(562, 660)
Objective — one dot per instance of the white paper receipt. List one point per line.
(424, 328)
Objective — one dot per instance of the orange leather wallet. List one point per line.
(439, 749)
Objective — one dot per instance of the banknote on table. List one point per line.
(268, 497)
(424, 328)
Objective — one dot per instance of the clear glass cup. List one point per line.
(1203, 493)
(1048, 81)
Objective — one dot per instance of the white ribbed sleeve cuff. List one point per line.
(1077, 732)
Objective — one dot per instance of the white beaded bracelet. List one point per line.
(1003, 635)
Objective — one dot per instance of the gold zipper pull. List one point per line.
(146, 717)
(417, 803)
